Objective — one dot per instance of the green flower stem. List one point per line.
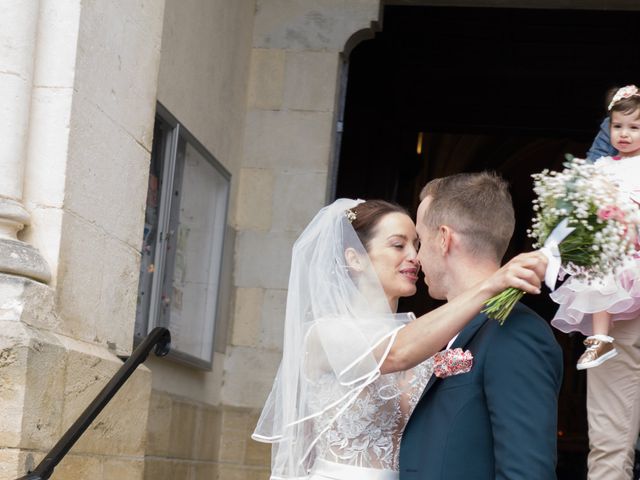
(499, 306)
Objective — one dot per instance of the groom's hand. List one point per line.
(525, 272)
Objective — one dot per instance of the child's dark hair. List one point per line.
(369, 214)
(625, 105)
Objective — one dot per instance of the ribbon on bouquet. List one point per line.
(551, 250)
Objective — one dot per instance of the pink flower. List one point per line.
(452, 362)
(611, 212)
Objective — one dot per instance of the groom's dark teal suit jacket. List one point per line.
(499, 421)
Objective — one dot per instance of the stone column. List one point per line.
(77, 98)
(18, 27)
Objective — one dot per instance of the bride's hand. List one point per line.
(525, 272)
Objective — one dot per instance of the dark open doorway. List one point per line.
(447, 90)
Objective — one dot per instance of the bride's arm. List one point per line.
(429, 333)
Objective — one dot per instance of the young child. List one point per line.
(591, 309)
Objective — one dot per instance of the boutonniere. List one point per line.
(452, 362)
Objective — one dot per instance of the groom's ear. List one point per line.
(354, 261)
(444, 239)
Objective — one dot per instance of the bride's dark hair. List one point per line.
(369, 214)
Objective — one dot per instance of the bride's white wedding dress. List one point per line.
(331, 414)
(364, 441)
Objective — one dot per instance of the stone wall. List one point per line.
(196, 441)
(111, 130)
(203, 80)
(266, 111)
(83, 122)
(287, 158)
(282, 182)
(48, 379)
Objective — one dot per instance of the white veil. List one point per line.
(338, 326)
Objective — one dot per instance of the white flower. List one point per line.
(577, 193)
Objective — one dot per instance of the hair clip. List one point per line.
(622, 93)
(350, 214)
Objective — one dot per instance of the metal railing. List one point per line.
(160, 338)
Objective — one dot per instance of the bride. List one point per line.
(352, 368)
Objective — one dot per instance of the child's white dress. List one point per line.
(618, 294)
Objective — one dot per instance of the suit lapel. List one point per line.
(468, 332)
(464, 338)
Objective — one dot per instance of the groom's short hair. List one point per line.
(476, 205)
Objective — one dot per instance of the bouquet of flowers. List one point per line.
(583, 223)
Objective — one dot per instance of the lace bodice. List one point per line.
(366, 432)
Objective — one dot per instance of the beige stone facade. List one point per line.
(257, 83)
(77, 112)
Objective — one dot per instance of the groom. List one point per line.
(499, 420)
